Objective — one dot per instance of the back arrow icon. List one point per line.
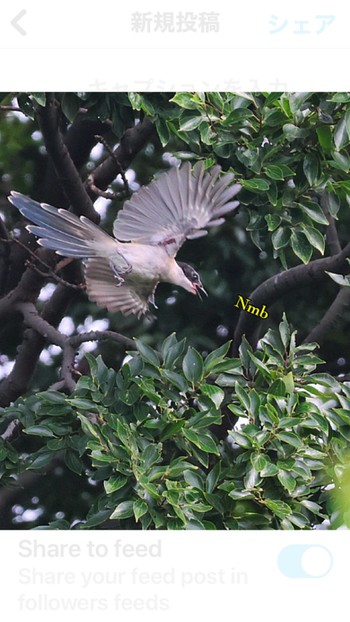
(16, 19)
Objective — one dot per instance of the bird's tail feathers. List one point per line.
(62, 231)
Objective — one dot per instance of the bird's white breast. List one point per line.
(149, 263)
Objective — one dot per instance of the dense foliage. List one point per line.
(166, 424)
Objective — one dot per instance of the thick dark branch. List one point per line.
(278, 285)
(332, 317)
(103, 335)
(133, 140)
(18, 381)
(39, 332)
(27, 290)
(67, 173)
(33, 319)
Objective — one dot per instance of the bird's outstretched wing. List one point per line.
(66, 233)
(103, 288)
(180, 204)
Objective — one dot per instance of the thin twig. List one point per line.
(11, 109)
(107, 194)
(49, 273)
(114, 155)
(52, 274)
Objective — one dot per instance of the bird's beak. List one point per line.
(199, 290)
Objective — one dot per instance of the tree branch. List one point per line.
(27, 290)
(103, 335)
(332, 317)
(276, 286)
(31, 282)
(133, 140)
(11, 429)
(66, 171)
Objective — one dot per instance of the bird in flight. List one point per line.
(122, 272)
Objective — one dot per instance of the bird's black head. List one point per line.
(194, 278)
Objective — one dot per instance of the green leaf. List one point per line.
(290, 438)
(312, 506)
(213, 478)
(240, 439)
(175, 379)
(140, 508)
(96, 518)
(191, 123)
(280, 237)
(315, 237)
(274, 171)
(40, 98)
(340, 135)
(73, 462)
(280, 508)
(172, 429)
(40, 460)
(255, 184)
(114, 483)
(347, 122)
(215, 393)
(292, 132)
(273, 221)
(242, 395)
(203, 441)
(39, 430)
(52, 397)
(341, 161)
(301, 246)
(324, 135)
(288, 380)
(193, 365)
(342, 98)
(173, 353)
(82, 404)
(258, 461)
(299, 520)
(147, 353)
(251, 478)
(188, 101)
(71, 105)
(277, 388)
(287, 480)
(123, 510)
(311, 168)
(193, 479)
(269, 470)
(151, 454)
(215, 357)
(259, 364)
(168, 343)
(313, 211)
